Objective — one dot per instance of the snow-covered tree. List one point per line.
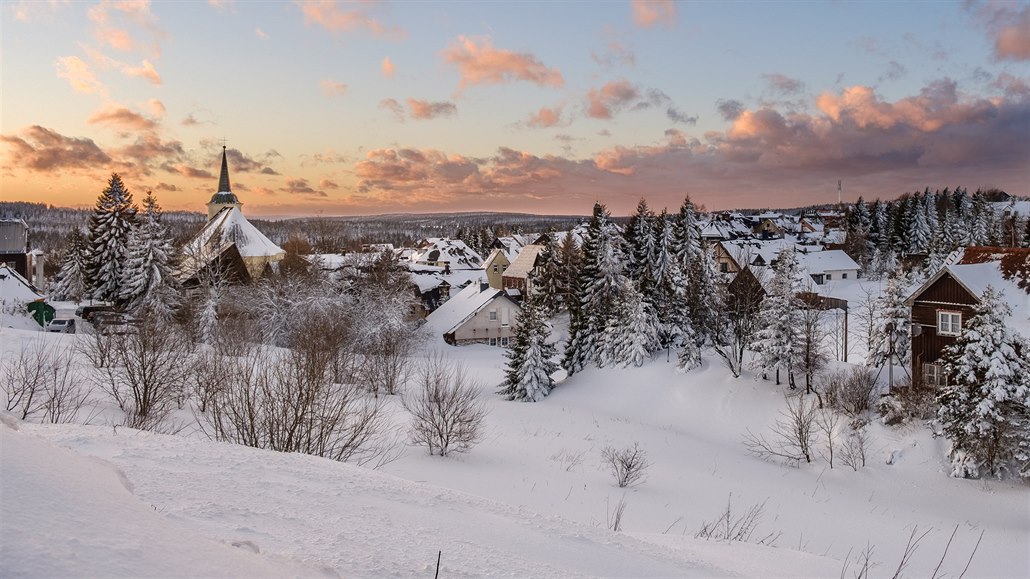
(603, 286)
(70, 283)
(530, 357)
(776, 343)
(892, 333)
(108, 240)
(549, 282)
(920, 232)
(632, 334)
(146, 275)
(640, 241)
(985, 408)
(701, 298)
(667, 282)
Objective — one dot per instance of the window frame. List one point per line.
(493, 315)
(945, 329)
(934, 375)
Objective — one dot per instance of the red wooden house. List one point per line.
(943, 303)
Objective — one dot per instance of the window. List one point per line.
(504, 341)
(844, 276)
(829, 276)
(495, 268)
(493, 315)
(949, 323)
(933, 375)
(493, 341)
(724, 267)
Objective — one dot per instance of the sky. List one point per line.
(339, 108)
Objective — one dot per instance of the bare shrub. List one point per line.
(41, 383)
(446, 413)
(386, 366)
(853, 451)
(907, 402)
(284, 401)
(627, 465)
(97, 346)
(148, 373)
(736, 527)
(848, 391)
(793, 433)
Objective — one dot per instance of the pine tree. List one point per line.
(632, 333)
(549, 286)
(985, 408)
(530, 358)
(70, 283)
(919, 234)
(891, 336)
(147, 271)
(602, 279)
(108, 239)
(640, 241)
(776, 342)
(667, 279)
(570, 260)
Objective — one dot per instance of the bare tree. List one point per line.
(793, 433)
(42, 383)
(738, 321)
(148, 373)
(614, 516)
(812, 356)
(628, 465)
(853, 452)
(446, 413)
(827, 422)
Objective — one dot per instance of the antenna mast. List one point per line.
(839, 188)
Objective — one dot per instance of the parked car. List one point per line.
(66, 326)
(87, 312)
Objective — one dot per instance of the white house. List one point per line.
(479, 314)
(829, 265)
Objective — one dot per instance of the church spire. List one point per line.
(223, 178)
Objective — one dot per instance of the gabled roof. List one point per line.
(525, 262)
(461, 307)
(496, 255)
(824, 261)
(452, 251)
(1007, 270)
(14, 288)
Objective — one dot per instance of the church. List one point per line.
(228, 245)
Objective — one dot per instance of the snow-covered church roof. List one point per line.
(229, 227)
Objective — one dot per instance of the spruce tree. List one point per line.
(146, 276)
(530, 357)
(919, 233)
(985, 408)
(108, 239)
(891, 334)
(776, 342)
(70, 283)
(549, 283)
(640, 241)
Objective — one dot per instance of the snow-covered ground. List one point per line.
(531, 500)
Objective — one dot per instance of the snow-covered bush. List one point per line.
(848, 391)
(628, 465)
(446, 413)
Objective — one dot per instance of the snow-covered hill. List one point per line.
(531, 500)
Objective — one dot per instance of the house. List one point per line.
(517, 276)
(228, 243)
(15, 290)
(942, 304)
(733, 256)
(495, 265)
(770, 226)
(14, 245)
(829, 265)
(478, 314)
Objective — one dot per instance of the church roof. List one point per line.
(227, 227)
(224, 194)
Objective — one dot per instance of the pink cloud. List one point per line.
(114, 20)
(603, 102)
(394, 107)
(545, 118)
(145, 70)
(333, 88)
(79, 75)
(121, 118)
(332, 16)
(647, 13)
(480, 63)
(1008, 28)
(425, 110)
(387, 67)
(43, 150)
(156, 107)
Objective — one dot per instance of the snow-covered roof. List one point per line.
(820, 262)
(228, 227)
(455, 311)
(525, 262)
(15, 289)
(451, 251)
(747, 251)
(1007, 270)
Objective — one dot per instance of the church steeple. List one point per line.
(224, 197)
(223, 177)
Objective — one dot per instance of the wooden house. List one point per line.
(944, 302)
(517, 276)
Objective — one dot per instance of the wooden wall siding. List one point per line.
(945, 294)
(947, 290)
